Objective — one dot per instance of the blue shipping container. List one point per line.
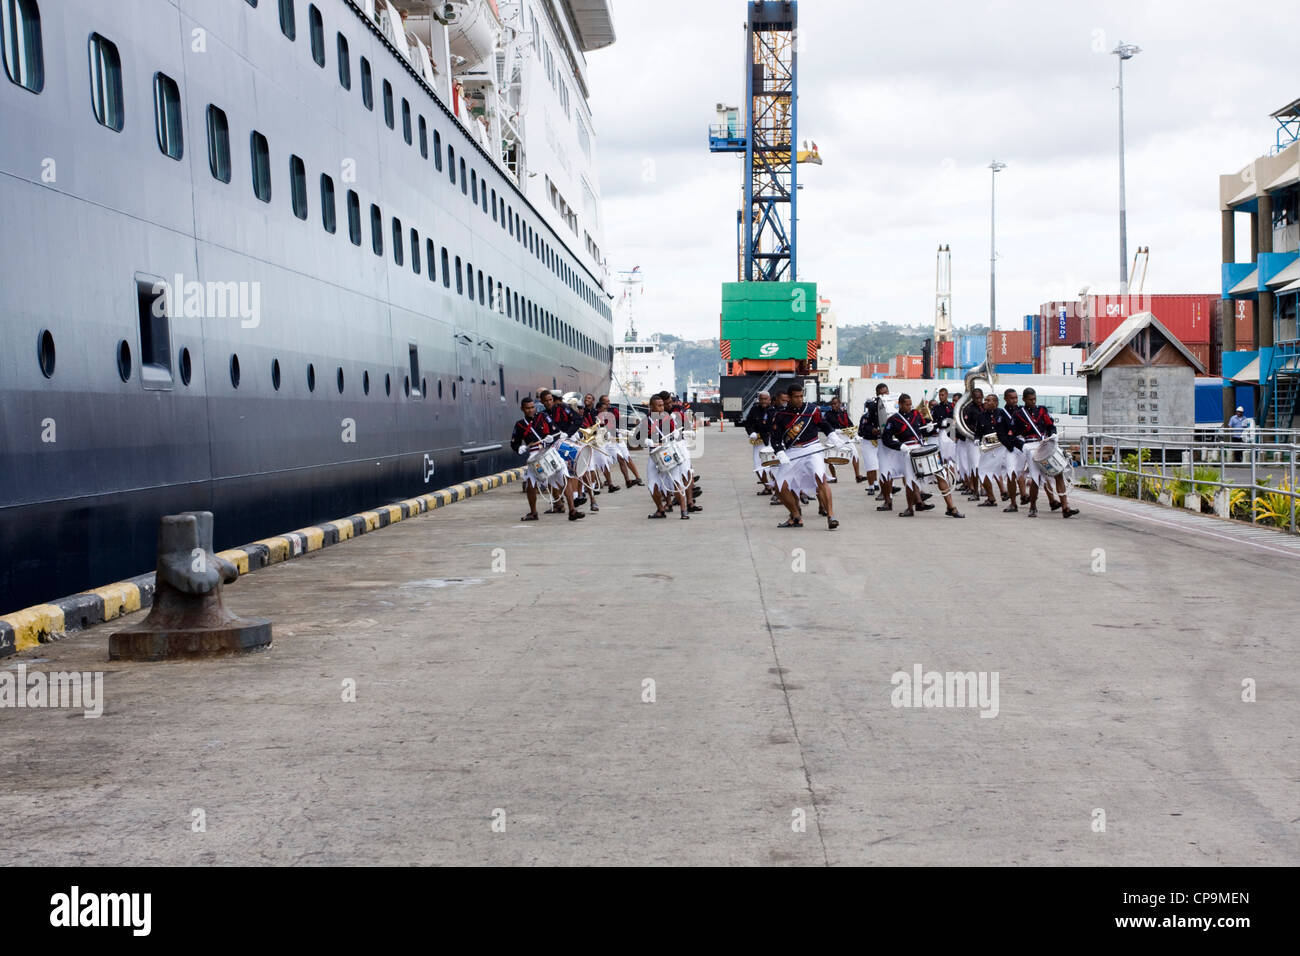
(1029, 322)
(1015, 368)
(1209, 401)
(971, 350)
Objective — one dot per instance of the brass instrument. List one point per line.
(981, 373)
(924, 408)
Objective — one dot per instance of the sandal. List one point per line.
(791, 523)
(954, 513)
(685, 516)
(906, 514)
(694, 508)
(575, 514)
(657, 514)
(832, 524)
(531, 516)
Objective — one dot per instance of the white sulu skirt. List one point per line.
(618, 451)
(766, 473)
(669, 482)
(1015, 462)
(807, 467)
(993, 464)
(893, 464)
(868, 454)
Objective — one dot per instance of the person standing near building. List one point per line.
(1237, 430)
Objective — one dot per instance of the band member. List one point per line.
(1009, 424)
(992, 468)
(795, 436)
(968, 448)
(602, 457)
(757, 426)
(839, 419)
(781, 400)
(902, 433)
(666, 484)
(609, 414)
(564, 421)
(1040, 423)
(941, 415)
(875, 414)
(532, 436)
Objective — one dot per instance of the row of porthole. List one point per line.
(45, 354)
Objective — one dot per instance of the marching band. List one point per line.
(572, 444)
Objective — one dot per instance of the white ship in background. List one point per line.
(642, 367)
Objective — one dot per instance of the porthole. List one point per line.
(187, 367)
(365, 382)
(440, 389)
(124, 360)
(388, 384)
(45, 353)
(406, 386)
(275, 374)
(311, 377)
(234, 371)
(339, 379)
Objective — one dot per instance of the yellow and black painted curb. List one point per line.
(41, 623)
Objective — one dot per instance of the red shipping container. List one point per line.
(1189, 317)
(1051, 332)
(1102, 326)
(1012, 348)
(947, 354)
(1202, 352)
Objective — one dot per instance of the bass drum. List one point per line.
(1050, 460)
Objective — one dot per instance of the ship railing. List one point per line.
(1256, 478)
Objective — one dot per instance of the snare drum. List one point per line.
(546, 466)
(836, 450)
(1050, 460)
(926, 460)
(568, 450)
(667, 456)
(767, 457)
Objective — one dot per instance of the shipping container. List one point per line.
(972, 350)
(1016, 368)
(1202, 353)
(1029, 322)
(1013, 347)
(1243, 311)
(947, 354)
(1062, 360)
(1055, 330)
(1189, 317)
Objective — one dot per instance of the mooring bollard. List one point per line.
(188, 618)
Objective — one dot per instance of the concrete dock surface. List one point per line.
(718, 691)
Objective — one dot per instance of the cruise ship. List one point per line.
(281, 260)
(642, 367)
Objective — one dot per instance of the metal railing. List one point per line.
(1201, 434)
(1122, 453)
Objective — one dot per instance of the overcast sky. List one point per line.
(909, 103)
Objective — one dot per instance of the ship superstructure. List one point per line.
(641, 367)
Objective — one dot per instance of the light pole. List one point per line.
(1125, 51)
(993, 248)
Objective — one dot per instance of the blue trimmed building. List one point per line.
(1268, 191)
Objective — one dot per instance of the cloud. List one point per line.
(908, 104)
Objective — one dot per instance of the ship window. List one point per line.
(473, 182)
(397, 240)
(106, 82)
(428, 258)
(152, 309)
(345, 63)
(20, 26)
(388, 104)
(415, 252)
(298, 186)
(339, 379)
(365, 382)
(367, 85)
(167, 115)
(510, 306)
(406, 120)
(275, 374)
(354, 217)
(501, 299)
(327, 216)
(439, 389)
(424, 139)
(311, 377)
(453, 389)
(317, 35)
(124, 360)
(413, 353)
(446, 272)
(187, 367)
(494, 205)
(234, 370)
(464, 183)
(376, 230)
(510, 220)
(45, 352)
(460, 279)
(501, 380)
(437, 150)
(261, 156)
(451, 162)
(218, 144)
(388, 384)
(482, 300)
(288, 22)
(469, 280)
